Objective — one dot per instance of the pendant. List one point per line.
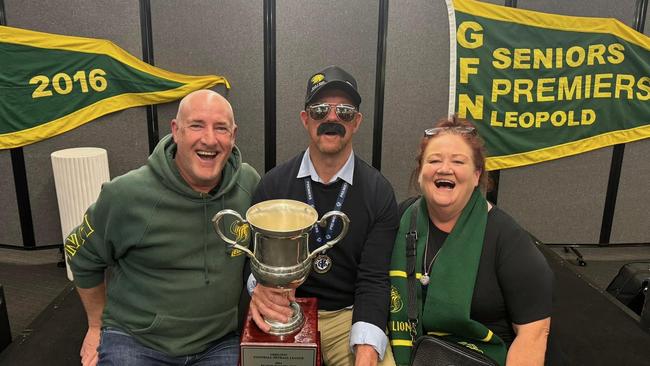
(322, 263)
(424, 279)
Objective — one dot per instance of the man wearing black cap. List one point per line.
(350, 280)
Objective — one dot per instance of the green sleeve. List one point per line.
(88, 248)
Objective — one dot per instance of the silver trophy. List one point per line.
(280, 257)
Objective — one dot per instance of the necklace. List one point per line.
(424, 279)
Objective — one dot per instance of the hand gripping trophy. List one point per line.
(280, 257)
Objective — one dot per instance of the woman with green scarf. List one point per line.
(481, 281)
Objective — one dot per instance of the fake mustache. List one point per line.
(331, 128)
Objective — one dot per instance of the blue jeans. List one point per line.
(117, 348)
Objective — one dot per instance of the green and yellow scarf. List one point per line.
(446, 309)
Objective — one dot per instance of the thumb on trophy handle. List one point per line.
(291, 294)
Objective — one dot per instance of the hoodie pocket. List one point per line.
(165, 329)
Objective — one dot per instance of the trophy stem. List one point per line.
(294, 324)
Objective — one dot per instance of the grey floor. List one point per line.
(31, 281)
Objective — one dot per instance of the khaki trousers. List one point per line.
(334, 327)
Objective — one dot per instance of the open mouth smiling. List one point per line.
(444, 183)
(206, 155)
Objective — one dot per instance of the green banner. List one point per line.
(50, 84)
(541, 86)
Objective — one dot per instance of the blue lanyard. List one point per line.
(339, 204)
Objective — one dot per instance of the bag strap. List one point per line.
(411, 240)
(404, 205)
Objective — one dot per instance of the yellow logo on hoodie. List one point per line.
(241, 232)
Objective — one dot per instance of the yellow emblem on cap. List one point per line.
(396, 303)
(317, 78)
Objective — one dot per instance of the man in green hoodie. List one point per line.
(173, 290)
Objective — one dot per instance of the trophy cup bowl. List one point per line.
(280, 257)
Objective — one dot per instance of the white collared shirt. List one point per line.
(307, 169)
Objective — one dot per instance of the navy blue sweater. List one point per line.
(359, 274)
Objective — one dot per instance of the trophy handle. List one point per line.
(344, 230)
(231, 243)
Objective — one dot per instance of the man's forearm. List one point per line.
(365, 355)
(93, 300)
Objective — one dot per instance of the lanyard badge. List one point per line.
(323, 263)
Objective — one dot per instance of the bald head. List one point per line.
(203, 97)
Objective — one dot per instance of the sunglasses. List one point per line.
(344, 112)
(463, 130)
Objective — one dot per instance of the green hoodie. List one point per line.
(172, 285)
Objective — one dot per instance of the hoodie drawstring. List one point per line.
(205, 236)
(205, 241)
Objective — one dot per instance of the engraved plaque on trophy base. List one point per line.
(299, 349)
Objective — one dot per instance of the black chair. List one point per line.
(645, 313)
(630, 285)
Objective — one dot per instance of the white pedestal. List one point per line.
(78, 177)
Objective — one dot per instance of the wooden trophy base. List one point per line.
(299, 349)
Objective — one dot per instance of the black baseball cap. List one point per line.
(332, 77)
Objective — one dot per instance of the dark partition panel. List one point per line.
(122, 134)
(559, 201)
(631, 217)
(631, 222)
(623, 9)
(417, 83)
(222, 38)
(314, 34)
(10, 233)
